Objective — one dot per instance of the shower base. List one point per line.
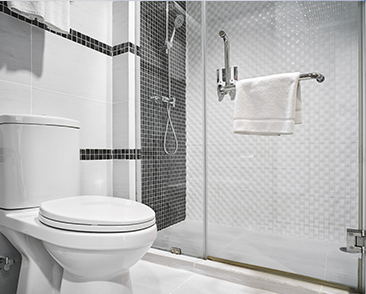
(316, 259)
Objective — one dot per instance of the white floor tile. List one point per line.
(198, 284)
(158, 277)
(141, 289)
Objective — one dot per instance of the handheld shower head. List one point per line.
(178, 22)
(223, 35)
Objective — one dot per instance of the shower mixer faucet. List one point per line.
(159, 99)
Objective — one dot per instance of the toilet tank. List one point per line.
(39, 160)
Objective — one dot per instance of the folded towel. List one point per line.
(269, 105)
(55, 14)
(29, 9)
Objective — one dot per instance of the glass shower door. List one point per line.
(285, 202)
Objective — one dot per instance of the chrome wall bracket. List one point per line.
(226, 87)
(356, 241)
(228, 76)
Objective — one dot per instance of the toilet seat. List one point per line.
(96, 214)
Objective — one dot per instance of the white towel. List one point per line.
(55, 14)
(269, 105)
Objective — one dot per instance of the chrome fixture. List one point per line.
(179, 20)
(228, 76)
(170, 101)
(6, 263)
(313, 75)
(163, 99)
(356, 241)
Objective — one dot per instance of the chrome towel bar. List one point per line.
(313, 75)
(228, 76)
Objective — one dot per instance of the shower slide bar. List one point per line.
(228, 76)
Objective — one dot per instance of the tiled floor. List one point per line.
(318, 259)
(152, 278)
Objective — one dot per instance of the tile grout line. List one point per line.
(193, 274)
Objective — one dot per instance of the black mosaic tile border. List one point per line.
(78, 37)
(110, 154)
(125, 47)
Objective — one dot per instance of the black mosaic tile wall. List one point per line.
(163, 176)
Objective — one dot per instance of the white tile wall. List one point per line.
(93, 18)
(124, 179)
(42, 73)
(15, 56)
(125, 15)
(97, 177)
(75, 69)
(126, 96)
(95, 116)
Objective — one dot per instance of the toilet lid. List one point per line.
(96, 214)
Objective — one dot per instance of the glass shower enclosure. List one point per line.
(278, 203)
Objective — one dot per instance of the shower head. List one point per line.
(179, 21)
(222, 34)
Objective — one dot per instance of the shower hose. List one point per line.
(169, 122)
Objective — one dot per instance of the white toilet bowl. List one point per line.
(69, 244)
(95, 253)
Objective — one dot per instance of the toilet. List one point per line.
(69, 243)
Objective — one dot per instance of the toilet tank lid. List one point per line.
(29, 119)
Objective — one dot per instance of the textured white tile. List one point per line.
(94, 116)
(75, 70)
(15, 98)
(306, 184)
(15, 55)
(158, 277)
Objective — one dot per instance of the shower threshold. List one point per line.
(319, 261)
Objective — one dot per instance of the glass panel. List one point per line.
(172, 183)
(284, 202)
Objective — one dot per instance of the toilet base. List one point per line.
(39, 273)
(119, 284)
